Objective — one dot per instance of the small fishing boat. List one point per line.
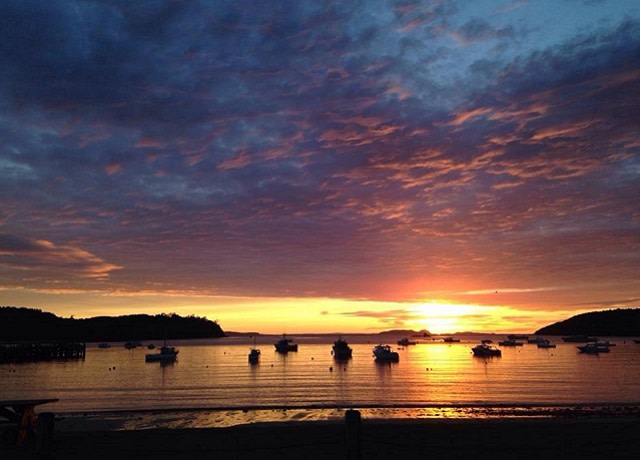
(254, 356)
(518, 337)
(166, 354)
(406, 342)
(593, 348)
(537, 340)
(254, 353)
(484, 350)
(450, 340)
(383, 353)
(579, 338)
(104, 345)
(510, 343)
(132, 344)
(341, 350)
(544, 343)
(285, 345)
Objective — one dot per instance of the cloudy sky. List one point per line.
(311, 165)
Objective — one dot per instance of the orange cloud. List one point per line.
(113, 168)
(42, 258)
(147, 142)
(561, 131)
(462, 117)
(239, 161)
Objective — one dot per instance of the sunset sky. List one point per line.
(301, 166)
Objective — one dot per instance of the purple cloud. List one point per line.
(312, 149)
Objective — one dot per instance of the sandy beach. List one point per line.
(380, 439)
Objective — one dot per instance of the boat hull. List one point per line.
(167, 354)
(254, 357)
(342, 355)
(393, 357)
(510, 343)
(579, 338)
(156, 357)
(384, 354)
(286, 348)
(592, 349)
(341, 350)
(485, 351)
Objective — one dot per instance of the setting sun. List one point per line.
(440, 317)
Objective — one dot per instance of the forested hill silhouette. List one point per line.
(620, 322)
(30, 324)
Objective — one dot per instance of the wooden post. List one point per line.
(353, 427)
(27, 418)
(44, 434)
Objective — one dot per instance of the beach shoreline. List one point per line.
(555, 437)
(186, 418)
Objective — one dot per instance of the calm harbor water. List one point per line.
(432, 378)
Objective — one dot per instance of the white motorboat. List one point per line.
(166, 354)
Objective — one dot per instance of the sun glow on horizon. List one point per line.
(444, 317)
(299, 315)
(441, 316)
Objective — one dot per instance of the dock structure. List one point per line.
(19, 352)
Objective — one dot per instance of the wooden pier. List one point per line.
(20, 352)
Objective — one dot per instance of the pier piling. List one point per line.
(353, 424)
(44, 434)
(40, 351)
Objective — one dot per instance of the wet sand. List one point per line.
(389, 439)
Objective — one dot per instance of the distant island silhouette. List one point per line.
(31, 324)
(407, 332)
(620, 322)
